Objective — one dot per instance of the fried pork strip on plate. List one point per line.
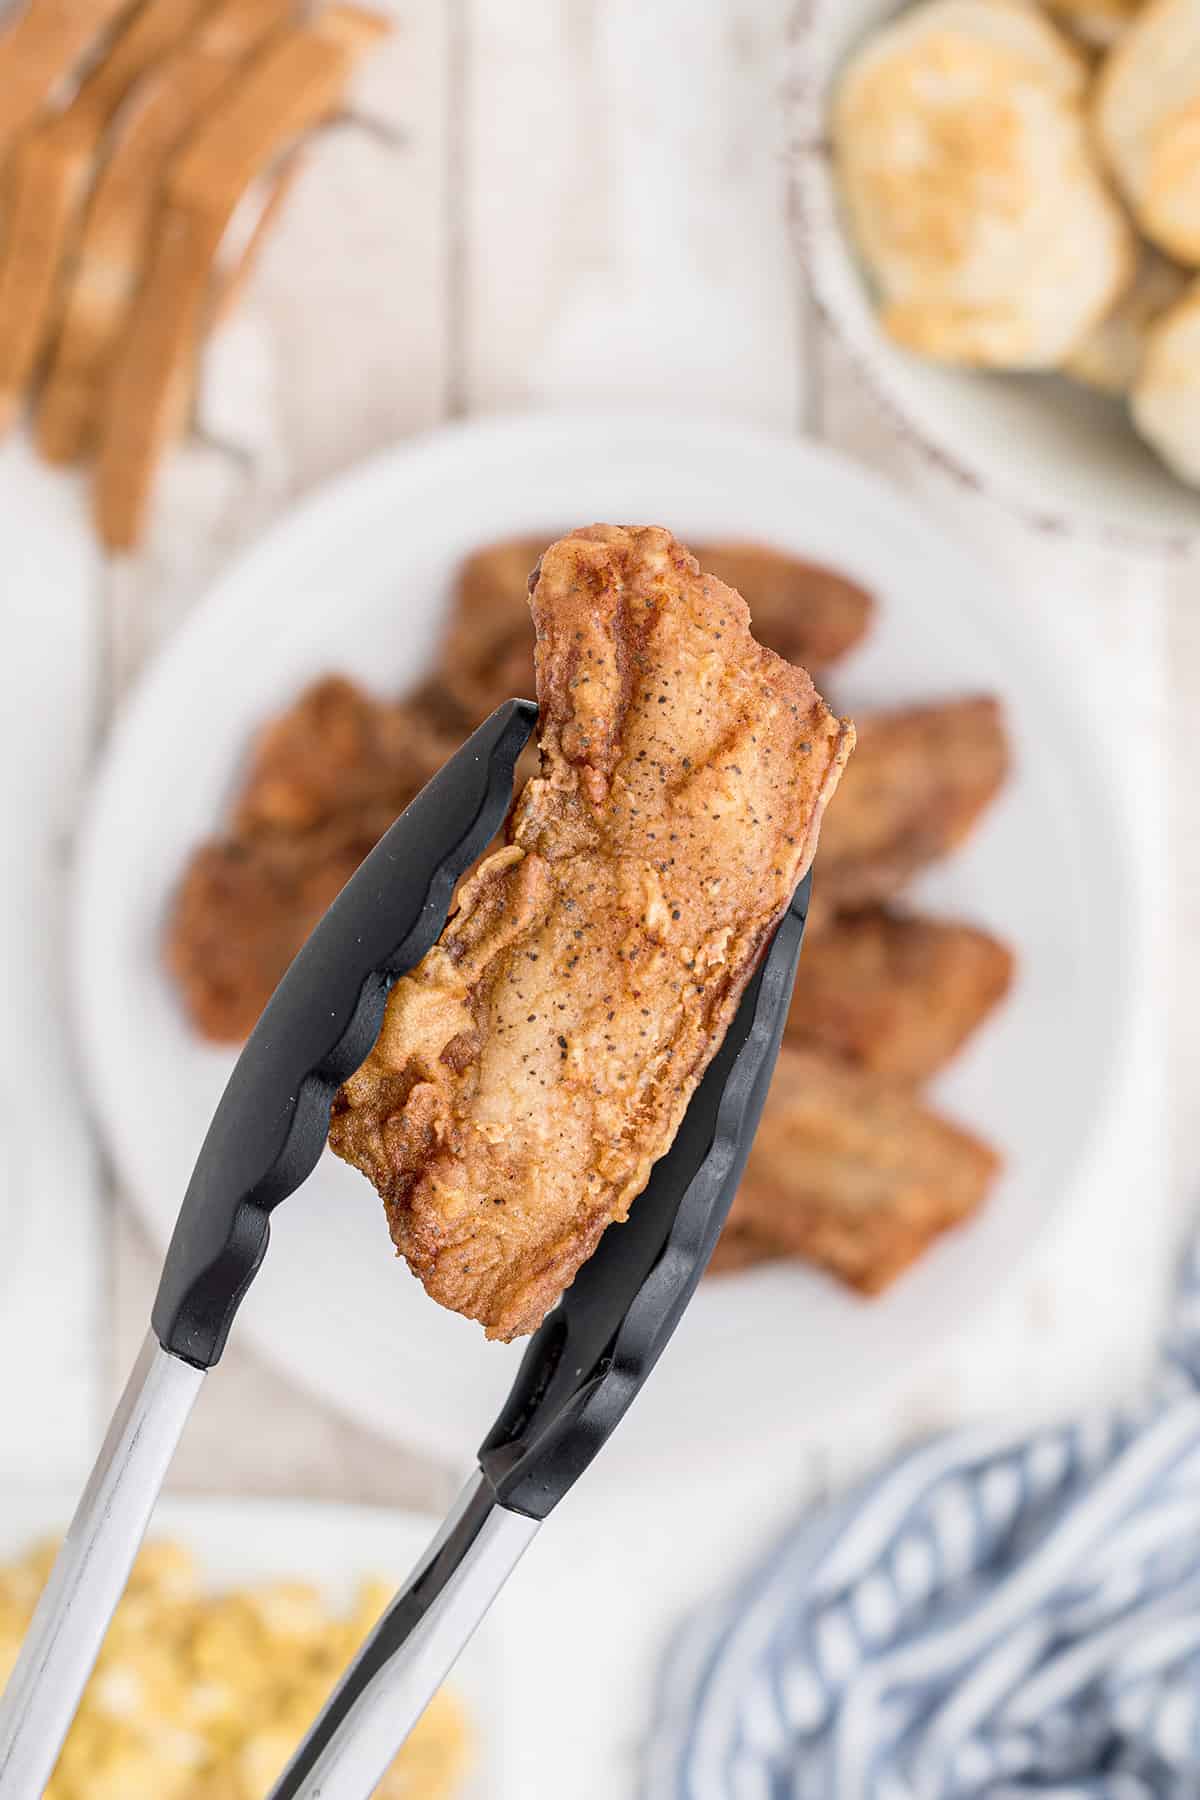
(895, 992)
(326, 780)
(487, 652)
(852, 1172)
(337, 750)
(329, 775)
(920, 778)
(806, 613)
(539, 1059)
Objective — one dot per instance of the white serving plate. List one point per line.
(1062, 456)
(358, 579)
(241, 1542)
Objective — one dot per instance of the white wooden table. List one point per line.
(589, 205)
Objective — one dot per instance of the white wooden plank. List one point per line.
(339, 345)
(626, 229)
(51, 1267)
(339, 348)
(352, 289)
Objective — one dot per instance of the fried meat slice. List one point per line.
(487, 653)
(326, 780)
(539, 1059)
(896, 992)
(243, 910)
(805, 612)
(920, 779)
(338, 751)
(852, 1172)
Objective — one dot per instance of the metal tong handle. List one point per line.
(410, 1652)
(264, 1141)
(582, 1370)
(91, 1570)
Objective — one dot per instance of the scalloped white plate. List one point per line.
(358, 579)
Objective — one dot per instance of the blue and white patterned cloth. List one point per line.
(994, 1615)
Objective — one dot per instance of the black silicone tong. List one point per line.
(579, 1375)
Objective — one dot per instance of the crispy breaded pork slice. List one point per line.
(326, 780)
(805, 612)
(338, 750)
(853, 1173)
(487, 652)
(920, 778)
(896, 992)
(539, 1059)
(245, 907)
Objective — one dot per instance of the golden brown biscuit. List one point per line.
(964, 160)
(1110, 356)
(1097, 22)
(538, 1061)
(1166, 394)
(1147, 118)
(148, 401)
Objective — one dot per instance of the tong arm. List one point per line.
(72, 1616)
(264, 1140)
(583, 1369)
(319, 1025)
(410, 1652)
